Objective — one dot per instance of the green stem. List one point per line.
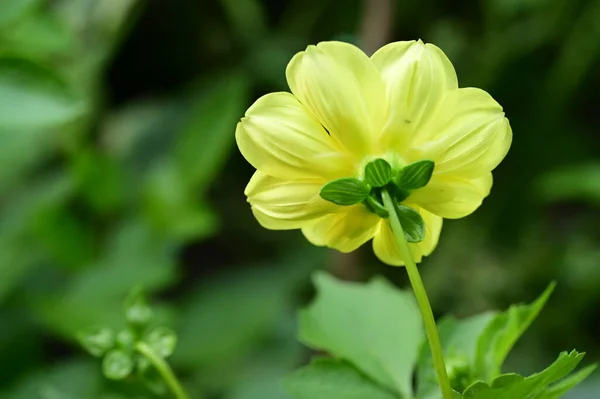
(163, 368)
(421, 295)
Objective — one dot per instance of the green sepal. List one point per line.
(346, 191)
(117, 365)
(97, 341)
(376, 207)
(416, 175)
(412, 223)
(378, 173)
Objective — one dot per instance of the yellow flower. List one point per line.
(346, 109)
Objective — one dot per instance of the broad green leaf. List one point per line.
(346, 191)
(374, 326)
(332, 379)
(34, 97)
(416, 175)
(163, 340)
(560, 388)
(459, 341)
(513, 386)
(97, 341)
(501, 334)
(378, 173)
(117, 365)
(412, 223)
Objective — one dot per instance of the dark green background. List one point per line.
(118, 167)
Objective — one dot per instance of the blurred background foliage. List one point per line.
(118, 167)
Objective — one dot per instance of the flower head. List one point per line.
(397, 113)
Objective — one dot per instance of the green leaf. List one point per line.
(501, 334)
(33, 97)
(374, 326)
(378, 173)
(347, 191)
(163, 340)
(560, 388)
(416, 175)
(117, 365)
(137, 311)
(97, 341)
(512, 386)
(126, 339)
(412, 223)
(332, 379)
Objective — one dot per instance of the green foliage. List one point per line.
(117, 365)
(118, 168)
(372, 327)
(375, 327)
(346, 191)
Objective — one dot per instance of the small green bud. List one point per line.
(416, 175)
(97, 341)
(378, 173)
(126, 340)
(412, 223)
(137, 311)
(117, 365)
(347, 191)
(163, 340)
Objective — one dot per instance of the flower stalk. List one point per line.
(421, 295)
(164, 370)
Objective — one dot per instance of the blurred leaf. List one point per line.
(501, 334)
(97, 341)
(207, 137)
(12, 10)
(33, 97)
(75, 379)
(117, 365)
(386, 345)
(332, 379)
(247, 17)
(236, 310)
(511, 386)
(134, 256)
(39, 36)
(172, 209)
(571, 183)
(162, 340)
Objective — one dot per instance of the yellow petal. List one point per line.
(416, 76)
(342, 88)
(467, 137)
(386, 248)
(286, 204)
(280, 137)
(344, 231)
(452, 197)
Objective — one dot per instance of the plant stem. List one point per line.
(421, 295)
(163, 368)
